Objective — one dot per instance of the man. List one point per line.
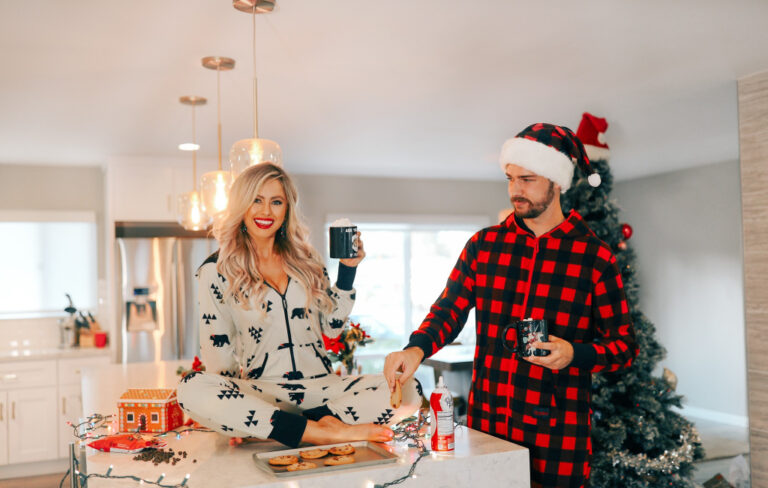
(536, 264)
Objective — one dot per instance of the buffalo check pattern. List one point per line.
(569, 278)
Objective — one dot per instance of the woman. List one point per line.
(265, 301)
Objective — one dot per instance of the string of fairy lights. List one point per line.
(408, 429)
(86, 431)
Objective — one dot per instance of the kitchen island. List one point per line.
(211, 461)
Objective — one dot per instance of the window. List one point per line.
(407, 264)
(129, 417)
(45, 256)
(155, 418)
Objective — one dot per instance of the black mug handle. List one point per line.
(504, 334)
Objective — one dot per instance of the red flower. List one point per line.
(196, 364)
(334, 345)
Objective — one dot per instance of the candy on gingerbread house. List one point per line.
(149, 410)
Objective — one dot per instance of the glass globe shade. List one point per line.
(190, 213)
(247, 152)
(215, 191)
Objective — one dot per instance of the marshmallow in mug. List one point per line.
(343, 239)
(344, 222)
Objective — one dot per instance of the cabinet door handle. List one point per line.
(2, 409)
(63, 405)
(13, 410)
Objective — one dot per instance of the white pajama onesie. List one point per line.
(266, 368)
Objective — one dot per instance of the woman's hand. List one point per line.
(353, 262)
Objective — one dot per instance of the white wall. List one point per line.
(689, 257)
(322, 195)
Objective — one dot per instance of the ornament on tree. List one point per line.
(670, 378)
(622, 245)
(626, 231)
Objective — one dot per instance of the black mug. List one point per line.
(527, 331)
(343, 242)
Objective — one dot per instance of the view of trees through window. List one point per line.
(405, 270)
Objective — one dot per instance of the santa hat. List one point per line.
(591, 132)
(550, 151)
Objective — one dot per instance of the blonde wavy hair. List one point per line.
(238, 261)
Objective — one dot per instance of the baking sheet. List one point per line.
(366, 454)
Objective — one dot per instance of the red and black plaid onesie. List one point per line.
(570, 278)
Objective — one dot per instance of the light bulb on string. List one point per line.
(248, 152)
(215, 184)
(190, 213)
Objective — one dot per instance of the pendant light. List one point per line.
(190, 213)
(247, 152)
(215, 184)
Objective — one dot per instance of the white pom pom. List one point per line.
(594, 180)
(601, 137)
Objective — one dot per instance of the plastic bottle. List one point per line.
(441, 408)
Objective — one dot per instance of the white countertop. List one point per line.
(40, 354)
(478, 458)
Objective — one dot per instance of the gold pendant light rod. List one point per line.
(218, 109)
(255, 83)
(218, 63)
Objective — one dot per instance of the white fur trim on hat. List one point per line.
(535, 156)
(596, 152)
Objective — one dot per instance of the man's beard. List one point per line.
(535, 209)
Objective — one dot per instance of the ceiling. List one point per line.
(421, 88)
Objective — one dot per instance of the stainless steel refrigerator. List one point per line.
(158, 290)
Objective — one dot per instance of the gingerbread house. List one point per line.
(149, 410)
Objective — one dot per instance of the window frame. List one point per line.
(55, 216)
(409, 222)
(130, 417)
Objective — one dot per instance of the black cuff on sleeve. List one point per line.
(287, 428)
(423, 342)
(584, 356)
(346, 277)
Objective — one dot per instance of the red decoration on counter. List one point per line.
(126, 443)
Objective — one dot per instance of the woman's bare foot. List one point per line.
(329, 430)
(236, 441)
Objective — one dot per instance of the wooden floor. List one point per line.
(47, 481)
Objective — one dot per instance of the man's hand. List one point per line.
(560, 356)
(406, 361)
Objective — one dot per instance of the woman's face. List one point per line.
(267, 212)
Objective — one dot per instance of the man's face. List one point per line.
(529, 193)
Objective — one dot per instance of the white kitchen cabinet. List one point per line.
(3, 428)
(29, 431)
(70, 410)
(70, 401)
(32, 429)
(141, 192)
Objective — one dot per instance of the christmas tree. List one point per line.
(637, 439)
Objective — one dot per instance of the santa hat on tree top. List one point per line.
(548, 150)
(591, 132)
